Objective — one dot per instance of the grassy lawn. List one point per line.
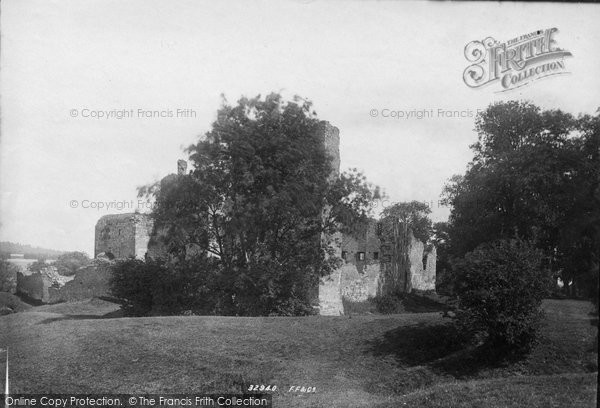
(363, 361)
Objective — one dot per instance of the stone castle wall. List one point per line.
(89, 282)
(421, 278)
(34, 286)
(38, 285)
(330, 295)
(331, 140)
(357, 281)
(358, 286)
(365, 242)
(143, 232)
(123, 235)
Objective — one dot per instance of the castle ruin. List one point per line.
(370, 267)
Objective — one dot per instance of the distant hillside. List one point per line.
(29, 252)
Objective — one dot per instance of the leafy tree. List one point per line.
(534, 175)
(578, 249)
(351, 198)
(260, 198)
(8, 276)
(441, 240)
(37, 266)
(67, 264)
(500, 286)
(414, 214)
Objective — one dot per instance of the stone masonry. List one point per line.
(123, 235)
(89, 281)
(421, 278)
(330, 301)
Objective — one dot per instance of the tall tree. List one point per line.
(255, 198)
(534, 175)
(414, 214)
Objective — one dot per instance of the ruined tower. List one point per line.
(330, 299)
(331, 140)
(123, 235)
(120, 236)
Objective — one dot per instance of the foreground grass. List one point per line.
(363, 361)
(560, 390)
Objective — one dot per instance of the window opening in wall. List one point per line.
(361, 256)
(375, 256)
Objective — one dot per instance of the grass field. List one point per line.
(363, 361)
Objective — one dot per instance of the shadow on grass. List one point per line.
(442, 348)
(110, 315)
(414, 303)
(29, 300)
(417, 345)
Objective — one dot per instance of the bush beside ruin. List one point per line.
(500, 287)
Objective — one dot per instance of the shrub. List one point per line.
(500, 288)
(132, 283)
(268, 287)
(68, 264)
(153, 287)
(389, 303)
(37, 266)
(202, 286)
(8, 277)
(444, 283)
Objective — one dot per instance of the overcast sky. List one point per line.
(62, 60)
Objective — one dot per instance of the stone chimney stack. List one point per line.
(181, 167)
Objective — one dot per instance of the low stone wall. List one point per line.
(38, 285)
(89, 282)
(34, 286)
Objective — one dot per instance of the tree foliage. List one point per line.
(67, 264)
(8, 276)
(414, 214)
(152, 287)
(441, 240)
(37, 266)
(500, 286)
(351, 198)
(535, 175)
(260, 198)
